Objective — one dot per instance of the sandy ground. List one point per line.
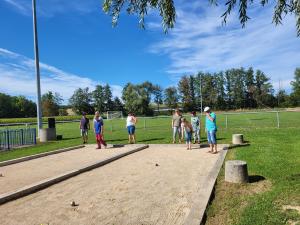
(26, 173)
(154, 186)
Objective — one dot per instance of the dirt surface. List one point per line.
(19, 175)
(154, 186)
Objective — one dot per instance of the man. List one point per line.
(211, 129)
(99, 130)
(84, 127)
(176, 125)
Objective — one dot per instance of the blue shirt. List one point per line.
(98, 125)
(211, 125)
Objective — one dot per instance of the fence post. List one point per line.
(226, 121)
(7, 138)
(278, 123)
(34, 135)
(22, 137)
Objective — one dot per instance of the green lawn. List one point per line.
(273, 157)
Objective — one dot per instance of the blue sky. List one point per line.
(79, 47)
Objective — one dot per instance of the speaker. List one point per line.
(51, 122)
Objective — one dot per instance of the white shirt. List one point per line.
(130, 121)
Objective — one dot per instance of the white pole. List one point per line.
(37, 69)
(278, 124)
(201, 94)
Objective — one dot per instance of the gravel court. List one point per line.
(25, 173)
(154, 186)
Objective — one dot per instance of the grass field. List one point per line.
(273, 157)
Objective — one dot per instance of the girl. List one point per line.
(195, 121)
(187, 129)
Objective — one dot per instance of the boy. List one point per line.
(99, 129)
(84, 127)
(187, 129)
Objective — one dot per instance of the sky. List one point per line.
(79, 47)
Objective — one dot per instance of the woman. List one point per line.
(130, 124)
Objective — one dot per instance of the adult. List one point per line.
(176, 126)
(130, 124)
(99, 130)
(196, 124)
(211, 129)
(84, 127)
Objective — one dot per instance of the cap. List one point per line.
(206, 109)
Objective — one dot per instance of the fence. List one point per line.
(15, 138)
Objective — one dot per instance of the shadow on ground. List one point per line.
(256, 178)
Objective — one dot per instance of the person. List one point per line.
(99, 130)
(84, 126)
(176, 122)
(211, 129)
(196, 124)
(130, 124)
(187, 130)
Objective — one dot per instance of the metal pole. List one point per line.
(201, 94)
(37, 69)
(277, 114)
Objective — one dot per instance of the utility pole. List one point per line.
(200, 77)
(37, 69)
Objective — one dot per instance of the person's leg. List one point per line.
(215, 141)
(209, 141)
(86, 136)
(129, 135)
(98, 141)
(102, 141)
(190, 140)
(198, 135)
(195, 135)
(133, 134)
(174, 134)
(82, 136)
(180, 135)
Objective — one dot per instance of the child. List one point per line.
(98, 129)
(187, 129)
(130, 124)
(196, 124)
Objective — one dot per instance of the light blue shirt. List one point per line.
(211, 125)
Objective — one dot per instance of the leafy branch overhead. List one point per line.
(167, 10)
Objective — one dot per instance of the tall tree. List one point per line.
(118, 105)
(108, 98)
(81, 101)
(171, 98)
(167, 12)
(50, 103)
(263, 90)
(295, 95)
(184, 93)
(99, 99)
(158, 95)
(249, 88)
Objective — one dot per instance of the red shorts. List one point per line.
(99, 137)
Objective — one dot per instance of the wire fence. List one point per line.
(225, 120)
(16, 138)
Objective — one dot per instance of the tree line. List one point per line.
(225, 90)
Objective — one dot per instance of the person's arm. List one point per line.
(89, 126)
(102, 130)
(210, 118)
(95, 127)
(172, 122)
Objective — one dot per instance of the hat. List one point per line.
(83, 113)
(206, 109)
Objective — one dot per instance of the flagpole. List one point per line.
(37, 69)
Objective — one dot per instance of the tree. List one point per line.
(249, 88)
(185, 95)
(263, 90)
(50, 103)
(81, 101)
(25, 107)
(99, 100)
(118, 105)
(107, 94)
(158, 95)
(295, 95)
(136, 99)
(167, 11)
(171, 98)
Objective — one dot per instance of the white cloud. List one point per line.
(200, 43)
(17, 75)
(51, 8)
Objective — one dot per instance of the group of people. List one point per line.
(180, 125)
(183, 128)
